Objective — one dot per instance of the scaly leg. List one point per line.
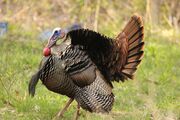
(61, 112)
(77, 112)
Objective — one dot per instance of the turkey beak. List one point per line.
(52, 41)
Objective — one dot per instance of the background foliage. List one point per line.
(153, 95)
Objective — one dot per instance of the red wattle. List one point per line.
(46, 51)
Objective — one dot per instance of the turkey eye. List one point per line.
(56, 32)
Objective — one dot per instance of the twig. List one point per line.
(96, 15)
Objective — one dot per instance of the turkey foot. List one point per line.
(61, 112)
(77, 112)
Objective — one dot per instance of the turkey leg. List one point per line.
(77, 112)
(61, 112)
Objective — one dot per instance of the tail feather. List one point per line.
(135, 56)
(136, 36)
(129, 70)
(136, 49)
(133, 26)
(132, 64)
(135, 45)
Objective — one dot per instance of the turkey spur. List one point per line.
(84, 65)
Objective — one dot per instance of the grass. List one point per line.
(154, 94)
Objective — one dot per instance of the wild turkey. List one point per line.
(84, 65)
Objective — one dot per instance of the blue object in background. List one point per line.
(74, 27)
(45, 35)
(3, 28)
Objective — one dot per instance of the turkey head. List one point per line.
(57, 34)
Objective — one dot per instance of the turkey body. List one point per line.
(57, 77)
(86, 63)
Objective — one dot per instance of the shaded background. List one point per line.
(153, 95)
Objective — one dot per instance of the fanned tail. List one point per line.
(131, 45)
(117, 60)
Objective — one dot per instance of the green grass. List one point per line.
(154, 94)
